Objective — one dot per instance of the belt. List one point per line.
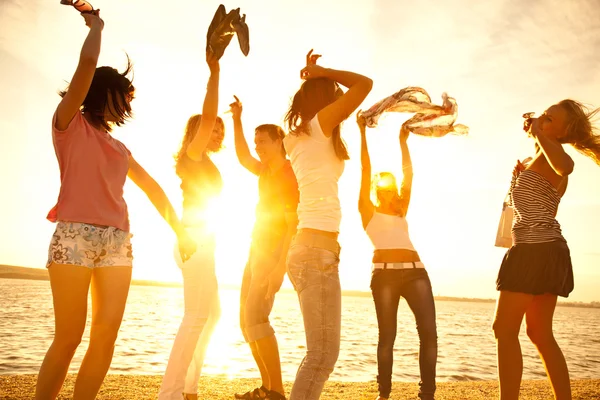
(397, 265)
(312, 239)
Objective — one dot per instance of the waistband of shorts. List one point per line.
(402, 265)
(314, 239)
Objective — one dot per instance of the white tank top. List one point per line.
(317, 170)
(388, 232)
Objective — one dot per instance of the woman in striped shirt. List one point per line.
(537, 268)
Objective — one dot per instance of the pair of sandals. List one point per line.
(255, 395)
(222, 28)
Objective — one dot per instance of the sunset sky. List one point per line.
(498, 59)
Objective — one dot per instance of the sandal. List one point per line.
(253, 395)
(275, 396)
(222, 28)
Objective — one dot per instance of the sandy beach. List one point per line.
(213, 388)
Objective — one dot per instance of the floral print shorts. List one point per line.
(90, 246)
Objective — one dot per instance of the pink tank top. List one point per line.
(93, 169)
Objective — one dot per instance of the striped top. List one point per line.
(535, 201)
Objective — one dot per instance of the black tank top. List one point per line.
(201, 182)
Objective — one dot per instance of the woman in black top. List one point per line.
(201, 183)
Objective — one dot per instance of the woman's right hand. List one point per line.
(235, 108)
(212, 61)
(361, 121)
(312, 70)
(93, 19)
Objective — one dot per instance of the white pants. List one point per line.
(202, 312)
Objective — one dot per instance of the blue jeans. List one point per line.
(314, 273)
(387, 287)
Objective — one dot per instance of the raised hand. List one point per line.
(361, 122)
(212, 61)
(404, 133)
(312, 70)
(312, 58)
(235, 108)
(93, 19)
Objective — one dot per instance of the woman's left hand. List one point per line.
(404, 133)
(187, 247)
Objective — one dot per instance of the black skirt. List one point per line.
(537, 268)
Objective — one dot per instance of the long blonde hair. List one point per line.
(387, 180)
(581, 133)
(190, 132)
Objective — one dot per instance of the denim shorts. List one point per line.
(76, 243)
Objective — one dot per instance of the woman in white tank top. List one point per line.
(317, 154)
(397, 268)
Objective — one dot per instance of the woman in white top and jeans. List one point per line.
(317, 154)
(397, 268)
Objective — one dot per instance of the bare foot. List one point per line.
(190, 396)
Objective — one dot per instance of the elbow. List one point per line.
(89, 59)
(566, 169)
(368, 83)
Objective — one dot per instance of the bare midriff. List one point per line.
(395, 256)
(332, 235)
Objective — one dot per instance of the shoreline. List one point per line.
(39, 274)
(212, 388)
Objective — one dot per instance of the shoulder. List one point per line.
(77, 123)
(122, 147)
(316, 132)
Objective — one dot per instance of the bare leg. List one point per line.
(539, 329)
(510, 309)
(268, 351)
(70, 285)
(110, 287)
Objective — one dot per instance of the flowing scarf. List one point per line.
(430, 119)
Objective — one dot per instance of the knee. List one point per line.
(323, 360)
(428, 335)
(386, 340)
(504, 331)
(104, 335)
(540, 336)
(67, 343)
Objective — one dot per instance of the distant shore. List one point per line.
(13, 272)
(215, 388)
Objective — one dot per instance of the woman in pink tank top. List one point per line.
(397, 269)
(91, 244)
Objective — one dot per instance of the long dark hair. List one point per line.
(581, 134)
(275, 133)
(107, 82)
(313, 96)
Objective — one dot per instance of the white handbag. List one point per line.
(504, 236)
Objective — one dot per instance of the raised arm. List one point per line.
(82, 79)
(554, 152)
(407, 172)
(365, 205)
(358, 86)
(197, 147)
(241, 146)
(159, 199)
